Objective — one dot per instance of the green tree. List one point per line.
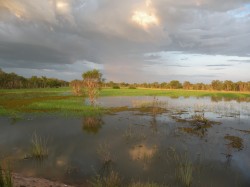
(217, 85)
(175, 84)
(228, 85)
(187, 85)
(92, 81)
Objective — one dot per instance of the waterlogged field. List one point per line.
(133, 138)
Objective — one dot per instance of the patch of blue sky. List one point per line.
(241, 12)
(196, 67)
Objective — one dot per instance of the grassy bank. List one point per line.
(48, 100)
(61, 100)
(172, 93)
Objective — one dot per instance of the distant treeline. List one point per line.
(217, 85)
(14, 81)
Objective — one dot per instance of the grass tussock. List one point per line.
(104, 153)
(235, 142)
(92, 124)
(184, 167)
(39, 147)
(5, 176)
(145, 184)
(111, 180)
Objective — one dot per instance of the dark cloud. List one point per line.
(49, 33)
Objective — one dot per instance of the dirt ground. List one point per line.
(21, 181)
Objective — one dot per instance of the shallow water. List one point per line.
(138, 144)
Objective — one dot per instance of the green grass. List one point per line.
(71, 105)
(171, 93)
(61, 100)
(36, 90)
(3, 111)
(43, 101)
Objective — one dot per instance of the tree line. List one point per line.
(14, 81)
(217, 85)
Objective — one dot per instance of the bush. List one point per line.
(131, 87)
(116, 87)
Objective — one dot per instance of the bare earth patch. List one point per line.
(21, 181)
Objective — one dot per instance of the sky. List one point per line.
(128, 41)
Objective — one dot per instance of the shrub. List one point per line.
(131, 87)
(116, 87)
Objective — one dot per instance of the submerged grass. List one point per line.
(39, 147)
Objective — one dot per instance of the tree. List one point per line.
(217, 85)
(77, 86)
(175, 84)
(187, 85)
(92, 81)
(228, 85)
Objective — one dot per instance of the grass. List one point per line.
(71, 105)
(61, 100)
(235, 142)
(5, 176)
(14, 104)
(39, 148)
(172, 93)
(104, 153)
(147, 184)
(184, 167)
(111, 180)
(92, 124)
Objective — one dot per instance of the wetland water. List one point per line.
(143, 139)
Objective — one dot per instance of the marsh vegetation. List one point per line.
(134, 140)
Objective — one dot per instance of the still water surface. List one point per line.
(138, 142)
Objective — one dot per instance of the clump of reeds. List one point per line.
(39, 147)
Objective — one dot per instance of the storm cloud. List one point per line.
(62, 35)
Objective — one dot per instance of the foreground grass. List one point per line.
(60, 100)
(5, 176)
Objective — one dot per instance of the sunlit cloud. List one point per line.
(144, 19)
(62, 6)
(14, 7)
(146, 16)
